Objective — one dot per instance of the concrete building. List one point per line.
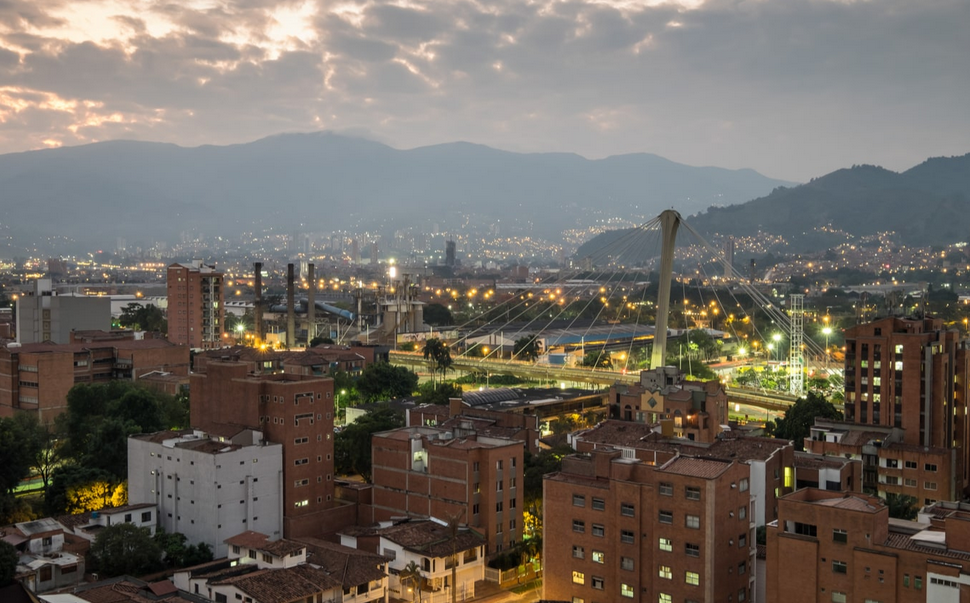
(208, 488)
(36, 377)
(88, 525)
(44, 316)
(196, 310)
(293, 410)
(454, 472)
(848, 549)
(696, 410)
(619, 529)
(432, 548)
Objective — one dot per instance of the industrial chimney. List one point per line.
(258, 304)
(290, 311)
(311, 309)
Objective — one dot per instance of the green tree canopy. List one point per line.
(125, 548)
(437, 352)
(440, 395)
(902, 506)
(176, 553)
(598, 359)
(8, 562)
(798, 420)
(383, 381)
(437, 315)
(526, 348)
(352, 446)
(143, 318)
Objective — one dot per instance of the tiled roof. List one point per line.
(261, 542)
(852, 503)
(695, 467)
(282, 585)
(431, 538)
(349, 566)
(906, 542)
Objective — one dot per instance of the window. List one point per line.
(918, 582)
(906, 580)
(599, 530)
(599, 504)
(840, 535)
(692, 578)
(475, 466)
(692, 493)
(693, 522)
(626, 590)
(498, 486)
(839, 567)
(579, 526)
(665, 598)
(146, 516)
(742, 568)
(909, 483)
(579, 578)
(929, 467)
(597, 583)
(579, 552)
(498, 507)
(579, 500)
(666, 489)
(929, 485)
(742, 594)
(744, 484)
(301, 461)
(665, 572)
(578, 600)
(627, 537)
(498, 465)
(626, 510)
(626, 563)
(742, 540)
(742, 512)
(666, 517)
(838, 597)
(267, 558)
(475, 509)
(692, 550)
(599, 557)
(666, 545)
(911, 464)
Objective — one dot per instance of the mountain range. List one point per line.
(85, 197)
(926, 205)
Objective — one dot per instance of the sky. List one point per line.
(791, 88)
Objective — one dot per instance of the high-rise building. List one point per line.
(619, 529)
(450, 253)
(196, 310)
(293, 410)
(45, 316)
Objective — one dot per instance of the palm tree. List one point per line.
(526, 348)
(453, 528)
(438, 353)
(411, 574)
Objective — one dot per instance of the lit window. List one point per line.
(665, 572)
(626, 590)
(692, 578)
(599, 557)
(666, 545)
(665, 598)
(579, 578)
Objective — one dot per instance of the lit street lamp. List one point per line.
(827, 331)
(777, 339)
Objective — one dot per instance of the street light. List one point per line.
(827, 331)
(777, 338)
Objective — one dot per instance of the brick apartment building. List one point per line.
(196, 309)
(318, 361)
(36, 377)
(906, 389)
(849, 550)
(443, 473)
(696, 410)
(889, 465)
(293, 410)
(771, 461)
(619, 529)
(493, 423)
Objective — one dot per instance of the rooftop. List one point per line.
(349, 566)
(431, 538)
(696, 467)
(282, 585)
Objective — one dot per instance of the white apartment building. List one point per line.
(207, 487)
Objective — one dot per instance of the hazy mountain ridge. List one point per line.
(145, 191)
(926, 205)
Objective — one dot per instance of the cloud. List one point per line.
(792, 88)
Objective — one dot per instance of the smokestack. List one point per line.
(290, 316)
(311, 308)
(258, 304)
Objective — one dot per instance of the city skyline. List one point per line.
(791, 89)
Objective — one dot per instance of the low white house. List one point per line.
(429, 545)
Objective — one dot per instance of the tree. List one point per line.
(320, 341)
(383, 381)
(526, 348)
(902, 506)
(438, 354)
(78, 487)
(144, 318)
(798, 420)
(437, 315)
(19, 448)
(598, 359)
(176, 553)
(352, 446)
(441, 395)
(411, 574)
(125, 548)
(8, 562)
